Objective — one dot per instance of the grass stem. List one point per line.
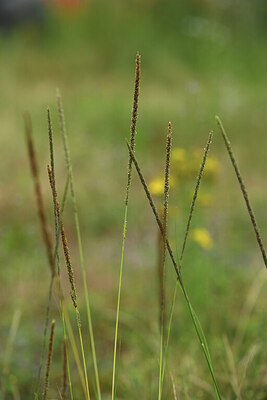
(193, 315)
(78, 231)
(128, 186)
(243, 190)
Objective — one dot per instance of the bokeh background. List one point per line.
(200, 58)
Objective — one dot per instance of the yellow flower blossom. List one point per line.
(156, 186)
(178, 154)
(202, 237)
(212, 165)
(205, 199)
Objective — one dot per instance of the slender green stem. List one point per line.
(47, 317)
(163, 260)
(188, 225)
(243, 189)
(118, 303)
(57, 224)
(194, 199)
(195, 320)
(128, 186)
(49, 360)
(78, 231)
(82, 350)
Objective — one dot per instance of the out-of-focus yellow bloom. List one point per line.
(212, 165)
(156, 186)
(205, 199)
(202, 237)
(178, 154)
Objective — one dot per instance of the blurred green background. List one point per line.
(199, 58)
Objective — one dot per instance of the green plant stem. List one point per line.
(48, 307)
(194, 318)
(78, 231)
(188, 225)
(128, 186)
(57, 224)
(118, 302)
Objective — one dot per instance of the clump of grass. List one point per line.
(128, 186)
(161, 220)
(49, 359)
(243, 189)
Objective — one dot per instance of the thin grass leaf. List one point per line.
(64, 370)
(243, 189)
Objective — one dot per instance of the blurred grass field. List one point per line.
(199, 59)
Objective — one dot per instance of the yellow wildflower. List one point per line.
(178, 154)
(156, 186)
(202, 237)
(212, 165)
(205, 199)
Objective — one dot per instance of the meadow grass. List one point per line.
(162, 225)
(176, 263)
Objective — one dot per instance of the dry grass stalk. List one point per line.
(134, 121)
(65, 243)
(38, 193)
(243, 189)
(49, 359)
